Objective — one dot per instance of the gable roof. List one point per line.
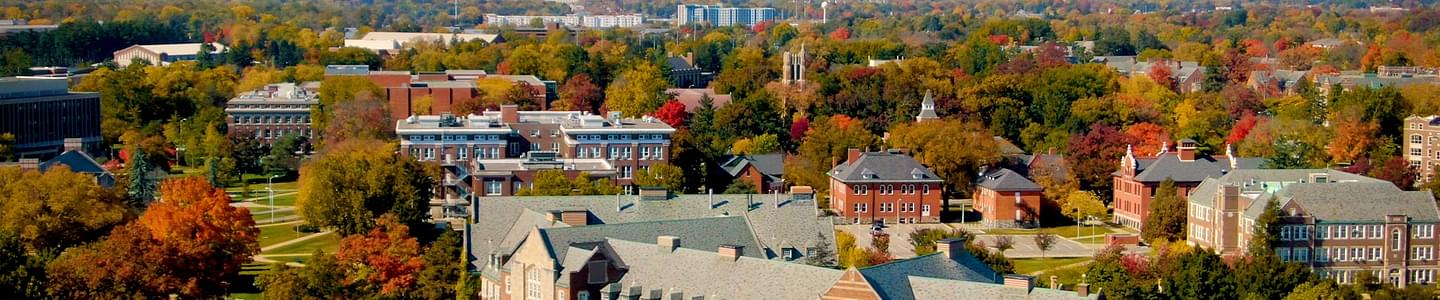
(882, 167)
(678, 63)
(1264, 181)
(942, 289)
(1007, 148)
(695, 273)
(1360, 201)
(891, 280)
(706, 234)
(1003, 179)
(1169, 165)
(77, 161)
(770, 164)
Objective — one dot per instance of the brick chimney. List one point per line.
(730, 252)
(1082, 290)
(951, 247)
(30, 164)
(509, 114)
(1186, 150)
(690, 58)
(667, 243)
(74, 144)
(1020, 281)
(852, 156)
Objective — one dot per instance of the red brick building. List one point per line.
(1139, 177)
(1006, 199)
(273, 111)
(885, 186)
(446, 89)
(765, 172)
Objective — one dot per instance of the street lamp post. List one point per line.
(270, 187)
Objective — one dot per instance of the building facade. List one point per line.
(444, 91)
(1392, 236)
(273, 111)
(498, 153)
(1422, 145)
(716, 15)
(765, 172)
(885, 187)
(1139, 177)
(573, 21)
(42, 113)
(163, 54)
(1006, 199)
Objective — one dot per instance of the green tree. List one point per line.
(22, 275)
(1167, 214)
(322, 278)
(142, 186)
(740, 187)
(1261, 274)
(825, 142)
(1199, 274)
(662, 175)
(7, 141)
(354, 182)
(745, 71)
(923, 240)
(954, 149)
(1321, 290)
(444, 267)
(638, 90)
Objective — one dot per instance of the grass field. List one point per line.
(271, 235)
(1062, 231)
(1032, 265)
(262, 215)
(327, 243)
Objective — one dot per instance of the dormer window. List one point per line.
(918, 174)
(867, 174)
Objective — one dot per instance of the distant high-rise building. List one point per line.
(716, 15)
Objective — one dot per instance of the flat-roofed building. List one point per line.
(163, 54)
(273, 111)
(42, 113)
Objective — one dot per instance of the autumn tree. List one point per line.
(638, 90)
(826, 142)
(352, 183)
(1080, 205)
(954, 149)
(1166, 219)
(384, 261)
(672, 113)
(363, 118)
(662, 175)
(57, 208)
(762, 144)
(745, 70)
(579, 93)
(1094, 156)
(1353, 137)
(190, 243)
(1148, 138)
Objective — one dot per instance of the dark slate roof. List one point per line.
(503, 222)
(1004, 180)
(1360, 201)
(772, 164)
(892, 281)
(678, 63)
(941, 289)
(705, 234)
(883, 166)
(1169, 165)
(79, 162)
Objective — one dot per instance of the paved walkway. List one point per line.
(900, 246)
(255, 201)
(265, 258)
(1025, 247)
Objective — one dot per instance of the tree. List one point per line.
(362, 118)
(1321, 290)
(1044, 241)
(638, 90)
(56, 209)
(826, 142)
(1082, 204)
(579, 93)
(352, 183)
(337, 90)
(1261, 274)
(763, 144)
(1166, 219)
(7, 142)
(744, 71)
(1003, 243)
(662, 175)
(323, 277)
(142, 186)
(384, 261)
(283, 158)
(953, 149)
(190, 243)
(672, 113)
(1199, 274)
(1093, 156)
(1353, 137)
(22, 275)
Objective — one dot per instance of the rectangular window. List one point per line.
(1284, 253)
(1375, 253)
(644, 153)
(659, 153)
(625, 172)
(1375, 232)
(532, 284)
(492, 187)
(859, 207)
(1302, 254)
(1322, 254)
(1340, 254)
(1339, 231)
(598, 271)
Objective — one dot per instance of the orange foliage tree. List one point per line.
(387, 257)
(1148, 138)
(189, 244)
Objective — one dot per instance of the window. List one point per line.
(1424, 231)
(1322, 254)
(926, 188)
(1357, 254)
(1375, 253)
(598, 273)
(644, 153)
(1375, 232)
(532, 283)
(1340, 232)
(1357, 231)
(582, 295)
(1340, 254)
(1284, 253)
(887, 207)
(659, 153)
(492, 187)
(1301, 254)
(1422, 253)
(859, 207)
(925, 210)
(1322, 232)
(1395, 239)
(614, 152)
(861, 189)
(463, 154)
(625, 172)
(1416, 139)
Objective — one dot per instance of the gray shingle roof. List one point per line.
(1169, 165)
(1007, 148)
(701, 234)
(892, 281)
(882, 166)
(1264, 180)
(1005, 180)
(503, 222)
(1360, 201)
(941, 289)
(697, 273)
(770, 164)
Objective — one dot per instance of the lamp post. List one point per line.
(270, 187)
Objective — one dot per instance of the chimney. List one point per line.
(852, 155)
(667, 243)
(952, 247)
(73, 144)
(615, 118)
(690, 58)
(1054, 282)
(730, 252)
(509, 114)
(1186, 150)
(1020, 281)
(29, 164)
(1082, 290)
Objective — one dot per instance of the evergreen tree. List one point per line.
(142, 187)
(1167, 214)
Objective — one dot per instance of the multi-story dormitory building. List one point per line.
(1337, 223)
(273, 111)
(703, 247)
(1422, 145)
(498, 153)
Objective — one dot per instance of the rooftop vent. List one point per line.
(449, 120)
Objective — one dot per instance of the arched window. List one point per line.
(1395, 239)
(532, 284)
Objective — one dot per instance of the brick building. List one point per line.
(446, 90)
(273, 111)
(1139, 177)
(1007, 199)
(885, 186)
(1422, 145)
(497, 153)
(1337, 223)
(42, 114)
(765, 172)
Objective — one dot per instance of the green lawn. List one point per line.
(1031, 265)
(1062, 231)
(261, 198)
(258, 184)
(1067, 277)
(262, 215)
(1091, 240)
(270, 235)
(244, 287)
(327, 243)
